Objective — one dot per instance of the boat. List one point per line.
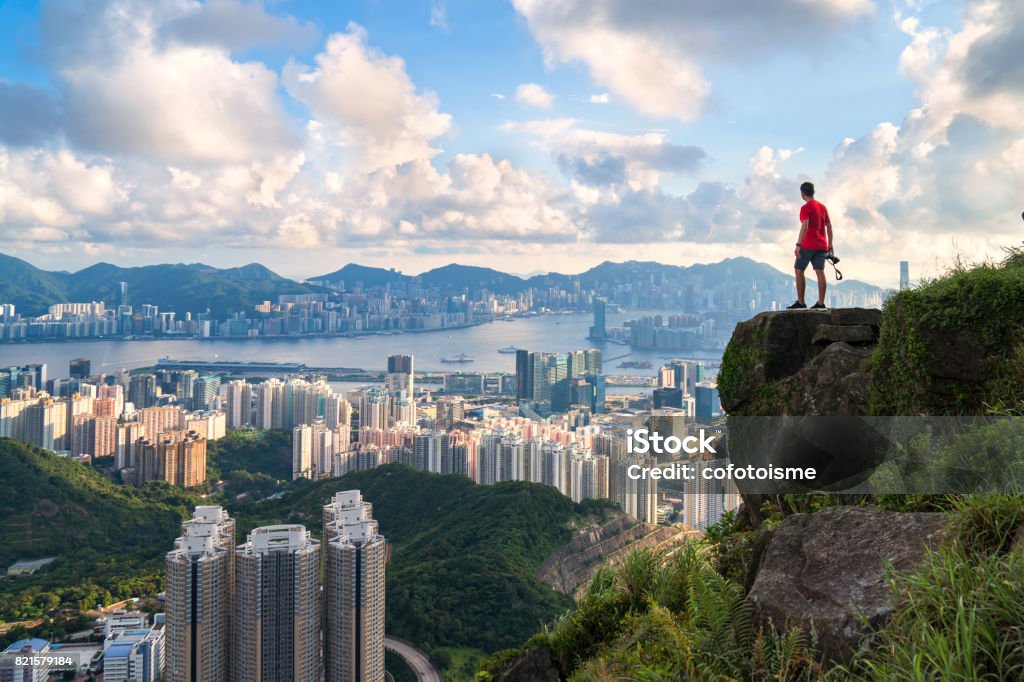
(635, 364)
(508, 350)
(461, 357)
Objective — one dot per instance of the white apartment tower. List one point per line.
(276, 630)
(354, 557)
(200, 574)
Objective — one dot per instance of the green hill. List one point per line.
(463, 555)
(105, 537)
(177, 287)
(461, 575)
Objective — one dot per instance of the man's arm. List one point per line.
(800, 239)
(828, 229)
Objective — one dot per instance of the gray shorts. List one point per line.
(815, 258)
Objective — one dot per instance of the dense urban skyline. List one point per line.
(518, 133)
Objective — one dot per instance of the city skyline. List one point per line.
(271, 125)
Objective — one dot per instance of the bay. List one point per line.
(553, 333)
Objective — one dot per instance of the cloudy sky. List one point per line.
(529, 135)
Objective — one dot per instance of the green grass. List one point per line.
(979, 312)
(958, 615)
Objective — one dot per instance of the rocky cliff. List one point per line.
(800, 362)
(571, 567)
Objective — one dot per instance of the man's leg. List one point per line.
(801, 285)
(822, 284)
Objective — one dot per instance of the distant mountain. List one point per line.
(30, 288)
(456, 277)
(178, 287)
(197, 287)
(354, 275)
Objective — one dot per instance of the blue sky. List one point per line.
(521, 135)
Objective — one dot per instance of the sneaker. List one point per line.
(818, 306)
(797, 305)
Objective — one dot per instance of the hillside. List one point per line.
(819, 586)
(462, 553)
(197, 287)
(174, 287)
(106, 536)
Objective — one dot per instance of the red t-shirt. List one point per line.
(816, 215)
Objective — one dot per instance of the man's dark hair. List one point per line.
(807, 189)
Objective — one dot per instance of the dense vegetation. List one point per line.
(958, 615)
(464, 555)
(251, 463)
(109, 539)
(954, 345)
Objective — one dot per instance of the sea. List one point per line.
(551, 333)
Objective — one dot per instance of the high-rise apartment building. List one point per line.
(450, 409)
(178, 457)
(199, 589)
(142, 390)
(276, 630)
(400, 375)
(904, 275)
(239, 404)
(354, 557)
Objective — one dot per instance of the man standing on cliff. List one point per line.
(813, 245)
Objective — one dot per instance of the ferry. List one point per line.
(635, 364)
(508, 350)
(461, 357)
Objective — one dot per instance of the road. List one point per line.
(416, 659)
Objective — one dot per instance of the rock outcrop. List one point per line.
(800, 362)
(826, 572)
(570, 568)
(536, 664)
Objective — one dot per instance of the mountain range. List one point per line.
(197, 288)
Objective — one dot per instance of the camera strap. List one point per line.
(839, 275)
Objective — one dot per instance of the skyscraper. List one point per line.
(276, 631)
(205, 392)
(200, 575)
(524, 375)
(400, 375)
(599, 329)
(239, 407)
(354, 558)
(142, 390)
(904, 275)
(80, 368)
(709, 405)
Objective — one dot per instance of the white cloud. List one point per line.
(649, 55)
(602, 98)
(534, 95)
(439, 17)
(368, 102)
(598, 158)
(237, 25)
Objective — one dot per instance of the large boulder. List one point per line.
(536, 664)
(800, 362)
(825, 572)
